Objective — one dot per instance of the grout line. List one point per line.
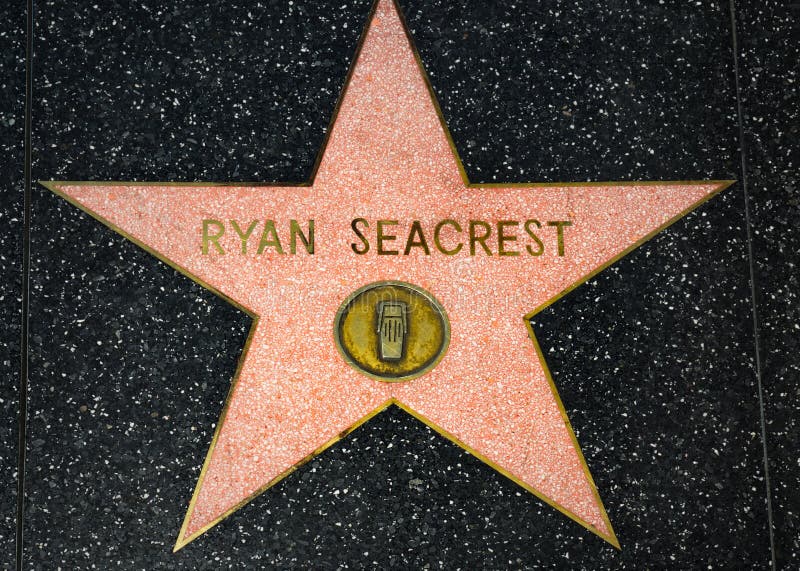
(26, 267)
(753, 298)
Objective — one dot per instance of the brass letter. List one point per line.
(243, 236)
(386, 237)
(308, 241)
(416, 228)
(274, 241)
(560, 225)
(502, 237)
(540, 246)
(354, 226)
(438, 243)
(475, 239)
(208, 238)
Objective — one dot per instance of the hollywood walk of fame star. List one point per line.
(389, 156)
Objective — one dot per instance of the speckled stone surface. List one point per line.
(389, 157)
(653, 358)
(769, 51)
(12, 121)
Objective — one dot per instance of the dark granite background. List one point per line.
(654, 359)
(12, 124)
(769, 62)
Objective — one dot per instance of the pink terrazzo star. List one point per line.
(389, 157)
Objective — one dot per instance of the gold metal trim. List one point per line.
(611, 538)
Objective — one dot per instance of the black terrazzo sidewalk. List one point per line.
(12, 147)
(668, 389)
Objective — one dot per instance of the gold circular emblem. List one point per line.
(391, 331)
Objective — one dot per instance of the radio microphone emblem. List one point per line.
(391, 331)
(392, 328)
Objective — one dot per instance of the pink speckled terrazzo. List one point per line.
(388, 157)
